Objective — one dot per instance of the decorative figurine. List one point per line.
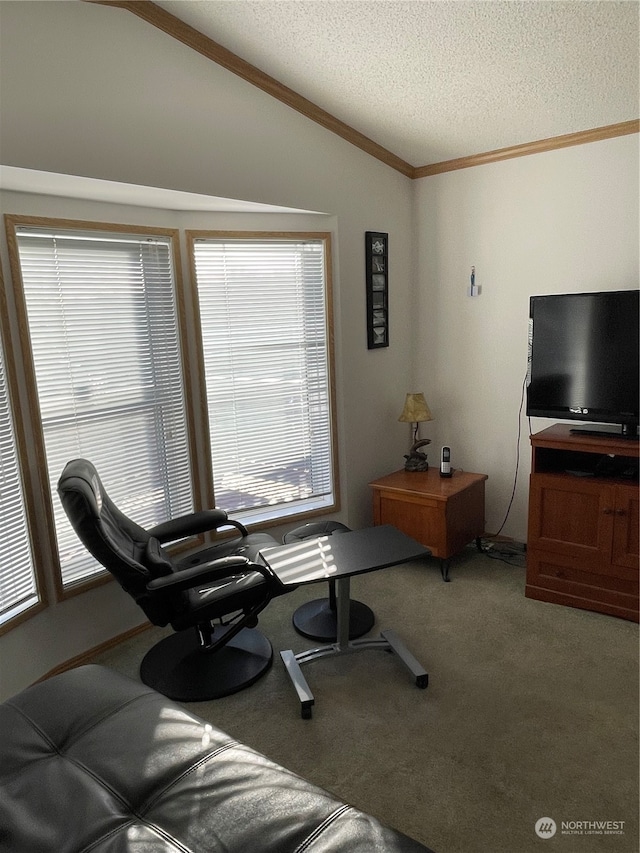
(417, 461)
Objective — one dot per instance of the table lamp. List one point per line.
(415, 412)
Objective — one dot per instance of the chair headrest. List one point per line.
(80, 476)
(110, 536)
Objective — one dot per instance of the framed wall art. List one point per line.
(377, 275)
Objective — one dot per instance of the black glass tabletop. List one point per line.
(333, 557)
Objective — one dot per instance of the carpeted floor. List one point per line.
(531, 711)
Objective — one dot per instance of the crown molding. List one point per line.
(580, 138)
(210, 49)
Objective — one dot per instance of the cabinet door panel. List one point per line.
(626, 527)
(569, 515)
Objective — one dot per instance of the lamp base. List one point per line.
(411, 465)
(417, 461)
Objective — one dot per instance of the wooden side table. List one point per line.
(445, 514)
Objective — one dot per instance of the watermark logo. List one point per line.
(592, 827)
(546, 827)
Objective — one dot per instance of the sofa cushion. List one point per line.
(92, 760)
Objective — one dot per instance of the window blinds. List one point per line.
(18, 588)
(104, 335)
(263, 314)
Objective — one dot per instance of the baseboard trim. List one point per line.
(85, 657)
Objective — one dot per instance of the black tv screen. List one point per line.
(583, 358)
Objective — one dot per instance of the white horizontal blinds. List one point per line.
(104, 333)
(263, 314)
(18, 588)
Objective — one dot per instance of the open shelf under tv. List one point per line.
(627, 431)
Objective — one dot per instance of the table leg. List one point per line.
(413, 665)
(388, 640)
(343, 612)
(299, 682)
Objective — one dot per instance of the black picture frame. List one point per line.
(376, 245)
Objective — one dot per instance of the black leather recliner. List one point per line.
(211, 598)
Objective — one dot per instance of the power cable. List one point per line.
(515, 478)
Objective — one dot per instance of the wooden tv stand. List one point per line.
(583, 540)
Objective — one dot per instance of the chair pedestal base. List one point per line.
(318, 620)
(180, 669)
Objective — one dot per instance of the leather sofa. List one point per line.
(91, 760)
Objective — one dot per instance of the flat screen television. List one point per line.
(583, 360)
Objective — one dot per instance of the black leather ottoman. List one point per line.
(93, 761)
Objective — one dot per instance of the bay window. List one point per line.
(103, 331)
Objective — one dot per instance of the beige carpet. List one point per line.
(531, 711)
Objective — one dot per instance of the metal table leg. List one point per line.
(388, 640)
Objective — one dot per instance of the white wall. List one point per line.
(562, 221)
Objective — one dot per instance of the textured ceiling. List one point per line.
(432, 80)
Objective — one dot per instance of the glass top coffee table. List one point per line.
(339, 558)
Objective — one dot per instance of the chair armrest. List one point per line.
(216, 570)
(189, 525)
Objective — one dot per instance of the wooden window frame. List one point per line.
(12, 221)
(326, 238)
